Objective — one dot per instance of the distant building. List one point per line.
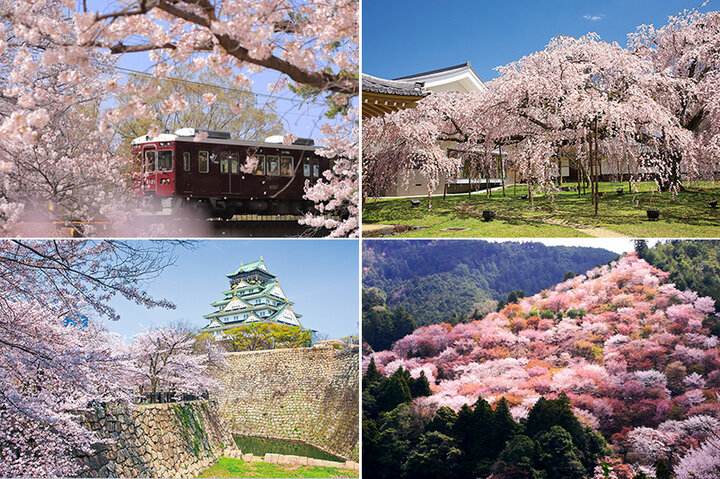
(254, 296)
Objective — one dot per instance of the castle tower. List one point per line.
(254, 296)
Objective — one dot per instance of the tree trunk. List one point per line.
(502, 170)
(596, 198)
(530, 194)
(487, 183)
(579, 171)
(429, 198)
(674, 181)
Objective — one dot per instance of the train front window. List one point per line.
(286, 166)
(273, 165)
(316, 168)
(186, 161)
(203, 162)
(260, 166)
(165, 160)
(234, 163)
(150, 161)
(306, 168)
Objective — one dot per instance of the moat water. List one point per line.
(259, 446)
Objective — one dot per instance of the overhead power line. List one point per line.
(220, 87)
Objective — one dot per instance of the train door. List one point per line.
(165, 185)
(234, 172)
(149, 166)
(225, 176)
(187, 173)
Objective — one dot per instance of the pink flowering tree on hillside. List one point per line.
(630, 351)
(312, 45)
(703, 461)
(56, 358)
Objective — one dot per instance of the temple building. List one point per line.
(254, 296)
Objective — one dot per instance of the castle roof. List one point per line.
(244, 268)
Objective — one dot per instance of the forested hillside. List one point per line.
(628, 352)
(436, 280)
(692, 264)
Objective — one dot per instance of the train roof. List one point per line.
(220, 141)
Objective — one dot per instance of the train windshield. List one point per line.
(165, 160)
(273, 165)
(150, 161)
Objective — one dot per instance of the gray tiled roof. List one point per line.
(392, 87)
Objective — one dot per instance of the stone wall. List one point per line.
(156, 440)
(306, 394)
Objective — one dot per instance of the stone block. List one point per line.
(271, 458)
(352, 465)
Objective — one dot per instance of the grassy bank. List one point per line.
(228, 467)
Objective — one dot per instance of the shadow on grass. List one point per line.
(688, 208)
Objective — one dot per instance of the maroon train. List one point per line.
(175, 173)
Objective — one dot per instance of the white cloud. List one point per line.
(594, 18)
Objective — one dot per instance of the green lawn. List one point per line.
(685, 215)
(228, 467)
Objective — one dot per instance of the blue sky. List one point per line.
(320, 276)
(299, 118)
(402, 38)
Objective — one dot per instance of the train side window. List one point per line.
(273, 165)
(150, 158)
(234, 163)
(260, 166)
(316, 168)
(186, 161)
(165, 160)
(286, 166)
(223, 162)
(203, 162)
(306, 168)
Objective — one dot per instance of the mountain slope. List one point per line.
(435, 280)
(628, 348)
